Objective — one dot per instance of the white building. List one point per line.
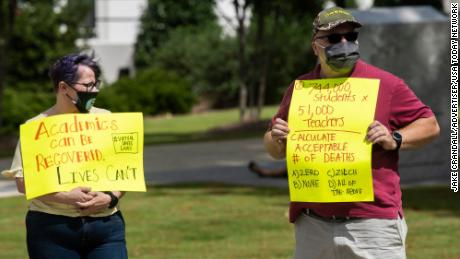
(116, 27)
(117, 24)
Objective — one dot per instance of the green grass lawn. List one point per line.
(215, 221)
(198, 127)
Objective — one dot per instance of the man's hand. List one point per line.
(100, 201)
(275, 139)
(280, 130)
(377, 133)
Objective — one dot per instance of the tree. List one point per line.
(262, 55)
(7, 17)
(278, 42)
(241, 11)
(269, 48)
(42, 32)
(242, 16)
(184, 37)
(161, 17)
(204, 58)
(258, 36)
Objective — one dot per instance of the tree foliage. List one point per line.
(41, 35)
(43, 31)
(7, 17)
(163, 16)
(204, 58)
(178, 38)
(184, 37)
(278, 48)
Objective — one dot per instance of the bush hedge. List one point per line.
(21, 105)
(151, 91)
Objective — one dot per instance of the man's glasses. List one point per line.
(337, 37)
(89, 86)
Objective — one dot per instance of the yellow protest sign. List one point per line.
(103, 151)
(327, 156)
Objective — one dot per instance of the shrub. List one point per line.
(151, 91)
(19, 106)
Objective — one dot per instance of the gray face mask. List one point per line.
(342, 56)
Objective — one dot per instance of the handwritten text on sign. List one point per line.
(101, 151)
(327, 156)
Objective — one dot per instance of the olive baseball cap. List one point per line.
(332, 17)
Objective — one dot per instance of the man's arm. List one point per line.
(416, 134)
(419, 133)
(275, 139)
(276, 149)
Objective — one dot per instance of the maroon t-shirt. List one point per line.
(396, 107)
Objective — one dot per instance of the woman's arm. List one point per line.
(79, 194)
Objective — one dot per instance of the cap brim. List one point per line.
(326, 28)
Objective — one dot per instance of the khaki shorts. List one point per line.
(358, 238)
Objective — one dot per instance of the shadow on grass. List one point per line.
(226, 132)
(204, 189)
(177, 138)
(439, 200)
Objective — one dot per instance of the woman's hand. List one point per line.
(100, 201)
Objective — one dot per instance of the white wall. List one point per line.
(117, 25)
(117, 21)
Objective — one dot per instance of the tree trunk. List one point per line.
(261, 42)
(240, 10)
(3, 41)
(242, 75)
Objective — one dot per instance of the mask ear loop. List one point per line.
(68, 96)
(73, 101)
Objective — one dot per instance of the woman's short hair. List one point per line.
(66, 68)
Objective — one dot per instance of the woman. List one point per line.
(79, 223)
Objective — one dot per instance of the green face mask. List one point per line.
(85, 100)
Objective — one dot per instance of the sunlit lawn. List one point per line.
(196, 127)
(215, 221)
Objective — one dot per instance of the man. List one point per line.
(79, 223)
(357, 229)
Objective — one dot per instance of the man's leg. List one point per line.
(371, 238)
(313, 239)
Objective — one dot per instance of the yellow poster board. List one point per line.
(101, 151)
(328, 158)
